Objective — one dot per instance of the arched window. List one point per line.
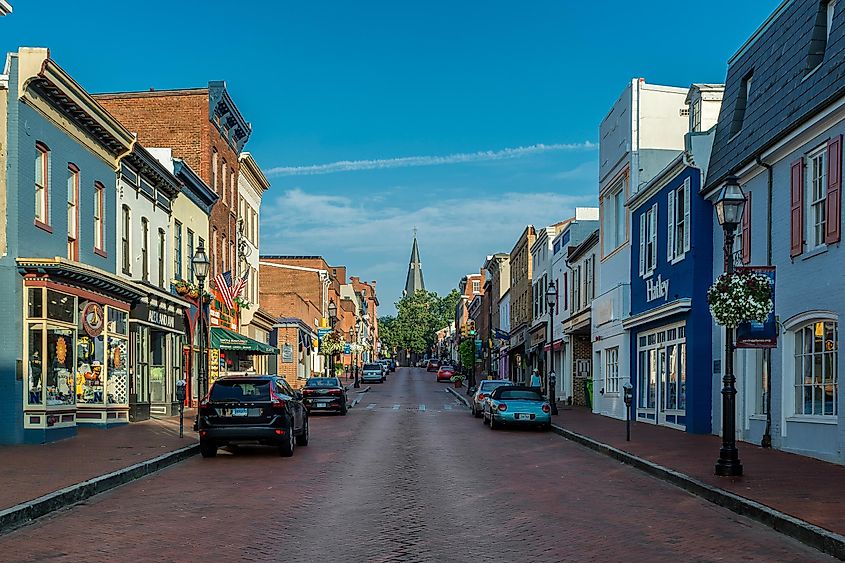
(816, 358)
(42, 185)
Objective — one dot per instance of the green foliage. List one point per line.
(467, 353)
(418, 318)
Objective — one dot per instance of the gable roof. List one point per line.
(784, 92)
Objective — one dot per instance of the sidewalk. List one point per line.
(799, 486)
(31, 471)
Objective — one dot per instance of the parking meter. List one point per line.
(180, 396)
(628, 397)
(552, 389)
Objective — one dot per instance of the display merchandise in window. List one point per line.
(59, 372)
(117, 382)
(90, 376)
(36, 365)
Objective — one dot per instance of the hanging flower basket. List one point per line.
(182, 288)
(193, 293)
(331, 344)
(242, 303)
(739, 297)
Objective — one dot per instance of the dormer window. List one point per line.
(695, 116)
(821, 34)
(742, 98)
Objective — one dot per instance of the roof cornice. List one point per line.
(254, 172)
(220, 104)
(149, 167)
(194, 186)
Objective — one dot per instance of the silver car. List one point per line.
(372, 372)
(483, 392)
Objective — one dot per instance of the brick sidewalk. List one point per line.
(28, 472)
(800, 486)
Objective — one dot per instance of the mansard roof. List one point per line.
(787, 88)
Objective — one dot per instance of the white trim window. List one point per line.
(678, 227)
(42, 184)
(613, 218)
(648, 241)
(816, 197)
(816, 368)
(611, 370)
(476, 286)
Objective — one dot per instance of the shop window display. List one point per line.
(36, 365)
(118, 376)
(51, 348)
(90, 376)
(59, 370)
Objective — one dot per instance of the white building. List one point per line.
(642, 133)
(251, 187)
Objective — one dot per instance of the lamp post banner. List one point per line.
(754, 334)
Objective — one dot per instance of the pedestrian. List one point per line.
(535, 380)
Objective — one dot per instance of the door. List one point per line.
(158, 367)
(662, 377)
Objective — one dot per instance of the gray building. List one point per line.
(780, 131)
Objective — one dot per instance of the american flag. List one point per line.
(224, 286)
(240, 285)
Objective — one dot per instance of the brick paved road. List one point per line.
(408, 475)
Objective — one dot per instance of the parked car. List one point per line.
(261, 409)
(392, 364)
(325, 394)
(433, 365)
(445, 373)
(482, 392)
(384, 366)
(518, 405)
(372, 372)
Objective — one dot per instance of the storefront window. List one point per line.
(35, 307)
(36, 364)
(176, 354)
(142, 348)
(59, 372)
(157, 366)
(118, 322)
(61, 307)
(90, 376)
(118, 374)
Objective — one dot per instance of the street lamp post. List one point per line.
(200, 264)
(729, 207)
(357, 338)
(551, 301)
(332, 321)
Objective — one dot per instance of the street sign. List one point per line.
(759, 335)
(347, 348)
(321, 332)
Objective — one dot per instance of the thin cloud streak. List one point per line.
(411, 161)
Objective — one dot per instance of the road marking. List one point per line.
(371, 406)
(422, 407)
(396, 407)
(447, 407)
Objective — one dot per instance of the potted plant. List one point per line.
(242, 303)
(458, 380)
(193, 292)
(182, 287)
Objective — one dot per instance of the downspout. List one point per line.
(766, 441)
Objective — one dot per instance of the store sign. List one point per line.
(93, 319)
(754, 334)
(287, 354)
(657, 288)
(162, 319)
(170, 320)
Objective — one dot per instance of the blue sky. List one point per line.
(501, 102)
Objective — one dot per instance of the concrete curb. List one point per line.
(25, 512)
(357, 399)
(460, 397)
(819, 538)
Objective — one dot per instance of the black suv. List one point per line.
(261, 409)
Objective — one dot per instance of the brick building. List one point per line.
(204, 128)
(521, 301)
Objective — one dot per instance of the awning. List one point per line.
(558, 345)
(225, 339)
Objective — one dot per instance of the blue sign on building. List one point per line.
(670, 325)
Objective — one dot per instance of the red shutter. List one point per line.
(796, 214)
(833, 205)
(746, 230)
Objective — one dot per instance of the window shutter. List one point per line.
(670, 232)
(746, 230)
(833, 205)
(796, 213)
(653, 236)
(643, 218)
(687, 225)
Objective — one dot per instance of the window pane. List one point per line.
(35, 308)
(117, 321)
(35, 361)
(59, 382)
(90, 376)
(118, 375)
(60, 307)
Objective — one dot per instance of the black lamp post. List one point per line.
(729, 206)
(551, 301)
(332, 321)
(357, 338)
(200, 263)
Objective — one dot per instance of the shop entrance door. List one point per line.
(158, 367)
(662, 377)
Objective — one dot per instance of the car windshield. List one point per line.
(490, 385)
(240, 391)
(447, 368)
(372, 366)
(519, 395)
(323, 382)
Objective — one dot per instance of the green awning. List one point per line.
(225, 339)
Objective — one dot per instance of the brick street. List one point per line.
(408, 475)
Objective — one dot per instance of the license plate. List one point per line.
(320, 403)
(522, 417)
(240, 412)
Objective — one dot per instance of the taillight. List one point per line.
(482, 396)
(547, 408)
(502, 407)
(334, 392)
(275, 401)
(307, 391)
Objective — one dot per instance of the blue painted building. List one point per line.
(670, 327)
(64, 359)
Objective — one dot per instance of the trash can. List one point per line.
(588, 392)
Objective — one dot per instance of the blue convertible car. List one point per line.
(511, 404)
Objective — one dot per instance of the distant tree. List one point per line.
(418, 318)
(467, 353)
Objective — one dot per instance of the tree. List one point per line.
(418, 318)
(467, 352)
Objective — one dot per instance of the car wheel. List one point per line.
(208, 448)
(286, 447)
(382, 380)
(546, 427)
(493, 424)
(302, 439)
(344, 409)
(476, 414)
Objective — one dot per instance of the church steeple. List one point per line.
(414, 281)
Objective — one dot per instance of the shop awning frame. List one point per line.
(225, 339)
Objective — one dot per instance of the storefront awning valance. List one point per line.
(225, 339)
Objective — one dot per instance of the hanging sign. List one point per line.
(754, 334)
(287, 354)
